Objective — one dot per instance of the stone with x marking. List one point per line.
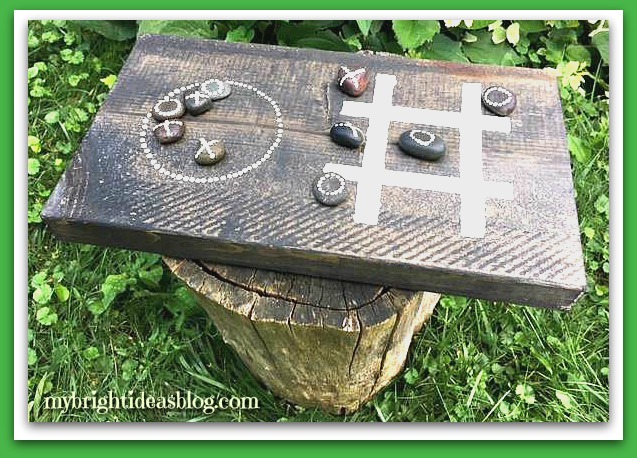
(169, 131)
(210, 152)
(197, 102)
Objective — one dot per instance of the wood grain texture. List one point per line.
(111, 194)
(334, 350)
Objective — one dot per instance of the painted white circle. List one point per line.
(166, 171)
(498, 89)
(221, 87)
(168, 112)
(420, 141)
(329, 176)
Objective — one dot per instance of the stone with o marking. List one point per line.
(216, 89)
(499, 100)
(197, 102)
(352, 82)
(169, 131)
(422, 144)
(330, 189)
(168, 109)
(346, 134)
(209, 152)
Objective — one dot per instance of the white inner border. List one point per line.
(23, 430)
(179, 176)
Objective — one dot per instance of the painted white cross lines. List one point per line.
(210, 152)
(372, 175)
(352, 82)
(346, 134)
(197, 102)
(197, 96)
(169, 131)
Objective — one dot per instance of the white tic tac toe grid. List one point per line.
(372, 175)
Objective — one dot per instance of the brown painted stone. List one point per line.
(352, 82)
(169, 131)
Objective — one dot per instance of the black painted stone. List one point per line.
(352, 82)
(209, 152)
(169, 131)
(346, 134)
(330, 189)
(422, 144)
(197, 102)
(499, 100)
(172, 108)
(216, 89)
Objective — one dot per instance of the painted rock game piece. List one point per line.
(197, 102)
(499, 100)
(422, 144)
(169, 131)
(330, 189)
(352, 82)
(346, 134)
(168, 109)
(210, 152)
(215, 89)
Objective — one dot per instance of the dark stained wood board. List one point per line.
(523, 247)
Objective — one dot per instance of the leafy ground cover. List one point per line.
(105, 320)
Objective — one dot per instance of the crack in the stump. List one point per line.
(263, 293)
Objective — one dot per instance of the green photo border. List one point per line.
(315, 448)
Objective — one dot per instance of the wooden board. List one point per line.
(495, 218)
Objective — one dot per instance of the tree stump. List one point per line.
(313, 341)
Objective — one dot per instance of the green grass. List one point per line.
(105, 319)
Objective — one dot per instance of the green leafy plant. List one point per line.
(199, 29)
(414, 34)
(113, 30)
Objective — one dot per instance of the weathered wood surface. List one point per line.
(315, 342)
(530, 253)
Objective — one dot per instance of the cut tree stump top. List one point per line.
(494, 218)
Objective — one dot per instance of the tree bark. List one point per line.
(312, 341)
